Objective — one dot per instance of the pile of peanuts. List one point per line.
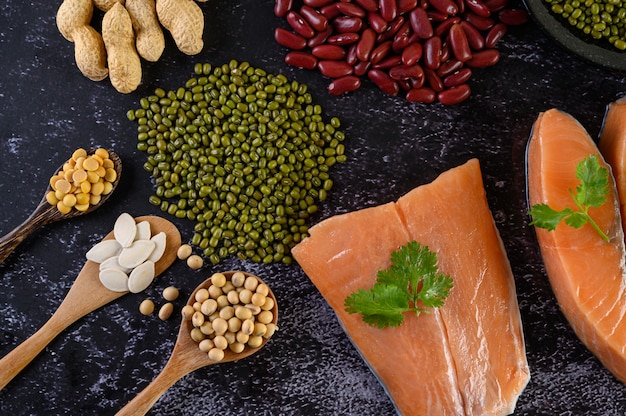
(131, 29)
(231, 314)
(426, 49)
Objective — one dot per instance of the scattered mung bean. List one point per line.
(244, 154)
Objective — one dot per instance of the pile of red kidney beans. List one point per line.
(426, 50)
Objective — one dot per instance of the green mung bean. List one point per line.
(602, 20)
(242, 153)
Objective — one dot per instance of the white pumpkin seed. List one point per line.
(141, 277)
(113, 263)
(114, 279)
(136, 253)
(143, 231)
(125, 229)
(104, 250)
(159, 246)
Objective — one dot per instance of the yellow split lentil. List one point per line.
(82, 180)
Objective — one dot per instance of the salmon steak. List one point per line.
(465, 358)
(586, 272)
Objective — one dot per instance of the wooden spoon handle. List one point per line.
(143, 402)
(42, 215)
(15, 361)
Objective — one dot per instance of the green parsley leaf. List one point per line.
(381, 306)
(412, 283)
(592, 191)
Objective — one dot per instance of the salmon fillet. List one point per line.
(612, 145)
(466, 358)
(585, 272)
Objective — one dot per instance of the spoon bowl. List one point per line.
(45, 213)
(187, 357)
(86, 295)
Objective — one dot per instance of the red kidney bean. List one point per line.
(513, 17)
(442, 28)
(347, 24)
(436, 16)
(389, 62)
(405, 6)
(433, 80)
(412, 53)
(317, 3)
(362, 67)
(380, 52)
(377, 22)
(448, 67)
(494, 35)
(458, 43)
(426, 47)
(457, 78)
(496, 5)
(344, 84)
(479, 22)
(351, 9)
(314, 18)
(351, 57)
(369, 5)
(330, 12)
(417, 82)
(331, 52)
(420, 23)
(478, 7)
(388, 9)
(343, 39)
(401, 72)
(432, 50)
(461, 5)
(445, 6)
(366, 44)
(281, 7)
(384, 82)
(454, 95)
(300, 25)
(289, 39)
(301, 59)
(484, 58)
(400, 42)
(474, 38)
(445, 52)
(394, 27)
(334, 69)
(319, 38)
(421, 95)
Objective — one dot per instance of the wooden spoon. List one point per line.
(185, 358)
(45, 213)
(86, 295)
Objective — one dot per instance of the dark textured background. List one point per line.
(48, 109)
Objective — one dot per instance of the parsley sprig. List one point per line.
(411, 284)
(592, 192)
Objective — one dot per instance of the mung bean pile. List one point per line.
(600, 19)
(244, 154)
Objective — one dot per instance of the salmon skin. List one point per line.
(465, 358)
(586, 273)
